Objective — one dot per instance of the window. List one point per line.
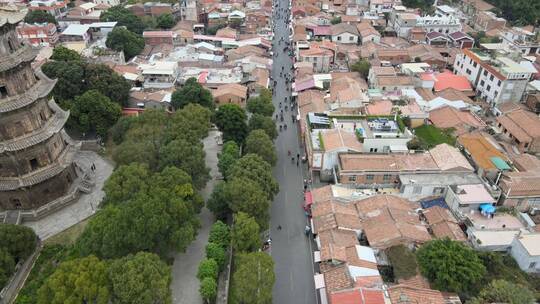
(475, 64)
(351, 38)
(488, 88)
(34, 164)
(491, 77)
(485, 73)
(352, 178)
(339, 38)
(387, 177)
(499, 83)
(482, 83)
(468, 71)
(370, 177)
(16, 202)
(532, 265)
(495, 94)
(3, 92)
(417, 189)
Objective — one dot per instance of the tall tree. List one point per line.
(187, 156)
(70, 77)
(165, 21)
(245, 233)
(140, 279)
(192, 92)
(102, 78)
(121, 39)
(219, 234)
(94, 112)
(258, 142)
(501, 291)
(266, 123)
(208, 290)
(253, 167)
(19, 241)
(62, 53)
(126, 182)
(124, 17)
(231, 120)
(450, 265)
(253, 279)
(230, 153)
(39, 16)
(81, 280)
(261, 105)
(218, 202)
(245, 195)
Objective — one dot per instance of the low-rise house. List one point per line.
(526, 251)
(421, 185)
(492, 231)
(344, 33)
(230, 93)
(437, 39)
(159, 74)
(522, 128)
(462, 121)
(413, 294)
(442, 224)
(461, 40)
(140, 99)
(466, 198)
(154, 38)
(320, 58)
(394, 56)
(76, 32)
(487, 157)
(56, 8)
(44, 34)
(367, 33)
(520, 190)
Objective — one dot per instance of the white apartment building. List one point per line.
(521, 40)
(382, 6)
(404, 22)
(108, 2)
(497, 80)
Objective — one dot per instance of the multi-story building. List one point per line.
(319, 57)
(521, 40)
(44, 34)
(57, 8)
(36, 154)
(405, 22)
(497, 79)
(189, 10)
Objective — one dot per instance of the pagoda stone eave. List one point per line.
(35, 177)
(53, 126)
(11, 60)
(11, 17)
(40, 89)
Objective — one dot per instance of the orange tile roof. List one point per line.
(448, 79)
(481, 150)
(382, 107)
(522, 124)
(443, 223)
(357, 296)
(450, 117)
(517, 184)
(388, 162)
(526, 162)
(231, 88)
(337, 139)
(408, 294)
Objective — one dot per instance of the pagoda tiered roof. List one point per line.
(23, 54)
(39, 90)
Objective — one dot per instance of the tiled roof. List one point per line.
(341, 28)
(443, 224)
(521, 184)
(338, 139)
(449, 158)
(450, 117)
(337, 278)
(523, 125)
(231, 88)
(481, 149)
(358, 296)
(332, 206)
(526, 162)
(408, 294)
(311, 101)
(448, 79)
(388, 162)
(435, 35)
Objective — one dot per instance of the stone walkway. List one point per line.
(84, 207)
(185, 285)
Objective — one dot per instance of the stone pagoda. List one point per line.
(37, 171)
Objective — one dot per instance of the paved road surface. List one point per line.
(185, 285)
(290, 247)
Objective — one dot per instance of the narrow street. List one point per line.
(290, 247)
(185, 285)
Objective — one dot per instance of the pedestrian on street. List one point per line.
(279, 227)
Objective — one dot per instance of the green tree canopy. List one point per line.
(216, 252)
(501, 291)
(120, 128)
(208, 268)
(218, 202)
(208, 290)
(62, 53)
(188, 156)
(121, 39)
(19, 241)
(253, 167)
(124, 17)
(425, 5)
(94, 112)
(336, 20)
(140, 279)
(245, 195)
(81, 280)
(231, 120)
(261, 105)
(266, 123)
(212, 30)
(362, 66)
(253, 279)
(102, 78)
(219, 234)
(192, 92)
(126, 182)
(165, 21)
(245, 233)
(258, 142)
(450, 265)
(228, 157)
(39, 16)
(7, 266)
(70, 77)
(158, 220)
(518, 12)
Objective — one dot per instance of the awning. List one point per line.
(308, 200)
(487, 208)
(499, 163)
